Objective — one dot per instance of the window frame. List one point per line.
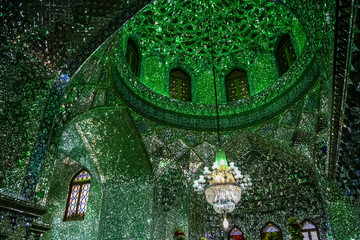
(263, 234)
(179, 82)
(132, 49)
(238, 86)
(230, 229)
(76, 216)
(316, 229)
(284, 46)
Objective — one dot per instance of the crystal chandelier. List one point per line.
(223, 185)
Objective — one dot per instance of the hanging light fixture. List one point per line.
(223, 184)
(226, 224)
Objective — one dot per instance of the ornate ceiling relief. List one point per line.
(282, 179)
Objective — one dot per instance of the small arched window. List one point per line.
(309, 230)
(285, 54)
(270, 227)
(237, 85)
(78, 196)
(133, 57)
(234, 232)
(180, 85)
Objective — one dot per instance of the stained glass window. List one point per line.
(309, 230)
(270, 227)
(285, 54)
(133, 57)
(234, 232)
(78, 196)
(180, 85)
(237, 85)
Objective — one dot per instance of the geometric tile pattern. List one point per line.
(73, 200)
(83, 176)
(83, 199)
(78, 197)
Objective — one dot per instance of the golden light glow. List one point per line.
(226, 223)
(222, 175)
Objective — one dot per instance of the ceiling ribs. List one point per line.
(345, 13)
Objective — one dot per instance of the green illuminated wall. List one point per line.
(237, 37)
(271, 165)
(142, 170)
(153, 70)
(121, 193)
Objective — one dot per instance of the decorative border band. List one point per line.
(208, 123)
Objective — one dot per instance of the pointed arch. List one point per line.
(180, 84)
(285, 54)
(310, 230)
(133, 57)
(78, 196)
(237, 85)
(233, 232)
(270, 227)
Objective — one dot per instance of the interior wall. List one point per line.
(73, 156)
(120, 201)
(171, 203)
(284, 181)
(342, 214)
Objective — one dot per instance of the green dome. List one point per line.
(191, 31)
(191, 35)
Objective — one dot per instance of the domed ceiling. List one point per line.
(192, 31)
(193, 34)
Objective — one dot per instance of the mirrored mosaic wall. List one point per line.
(187, 34)
(142, 171)
(282, 188)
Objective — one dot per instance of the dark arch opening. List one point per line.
(133, 57)
(233, 232)
(285, 54)
(268, 228)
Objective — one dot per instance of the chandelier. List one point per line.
(223, 185)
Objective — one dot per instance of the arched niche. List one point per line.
(270, 227)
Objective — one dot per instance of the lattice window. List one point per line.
(180, 85)
(237, 85)
(270, 227)
(234, 232)
(285, 54)
(78, 196)
(309, 230)
(133, 57)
